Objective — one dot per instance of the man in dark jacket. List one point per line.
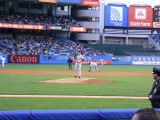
(70, 63)
(154, 95)
(146, 114)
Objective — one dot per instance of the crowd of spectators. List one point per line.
(38, 19)
(39, 45)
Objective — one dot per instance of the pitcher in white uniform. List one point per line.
(79, 59)
(93, 66)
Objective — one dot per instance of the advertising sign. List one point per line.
(6, 25)
(49, 1)
(62, 28)
(91, 2)
(62, 59)
(33, 27)
(49, 27)
(116, 15)
(22, 26)
(140, 16)
(98, 62)
(77, 29)
(19, 26)
(156, 17)
(29, 0)
(70, 1)
(23, 59)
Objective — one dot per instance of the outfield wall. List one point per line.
(62, 59)
(101, 114)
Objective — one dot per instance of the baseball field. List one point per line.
(48, 87)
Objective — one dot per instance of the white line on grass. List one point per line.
(71, 96)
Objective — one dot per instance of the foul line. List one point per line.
(70, 96)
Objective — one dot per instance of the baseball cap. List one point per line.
(156, 70)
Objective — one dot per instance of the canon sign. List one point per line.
(23, 59)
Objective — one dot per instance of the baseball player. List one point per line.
(102, 62)
(93, 66)
(79, 59)
(3, 59)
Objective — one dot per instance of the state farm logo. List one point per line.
(140, 13)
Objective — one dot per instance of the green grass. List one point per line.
(30, 84)
(65, 103)
(112, 68)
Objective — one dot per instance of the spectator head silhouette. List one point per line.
(146, 114)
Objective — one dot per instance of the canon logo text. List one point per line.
(23, 59)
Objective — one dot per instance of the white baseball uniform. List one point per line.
(102, 62)
(78, 64)
(93, 66)
(3, 59)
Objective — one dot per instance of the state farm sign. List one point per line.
(77, 29)
(140, 16)
(140, 24)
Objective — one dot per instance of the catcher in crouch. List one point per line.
(93, 66)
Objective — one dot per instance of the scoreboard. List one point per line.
(156, 17)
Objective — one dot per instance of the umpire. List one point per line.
(70, 63)
(154, 95)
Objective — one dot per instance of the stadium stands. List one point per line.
(126, 50)
(41, 20)
(38, 45)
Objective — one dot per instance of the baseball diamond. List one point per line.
(78, 59)
(83, 80)
(112, 87)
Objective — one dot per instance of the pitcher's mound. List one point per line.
(79, 80)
